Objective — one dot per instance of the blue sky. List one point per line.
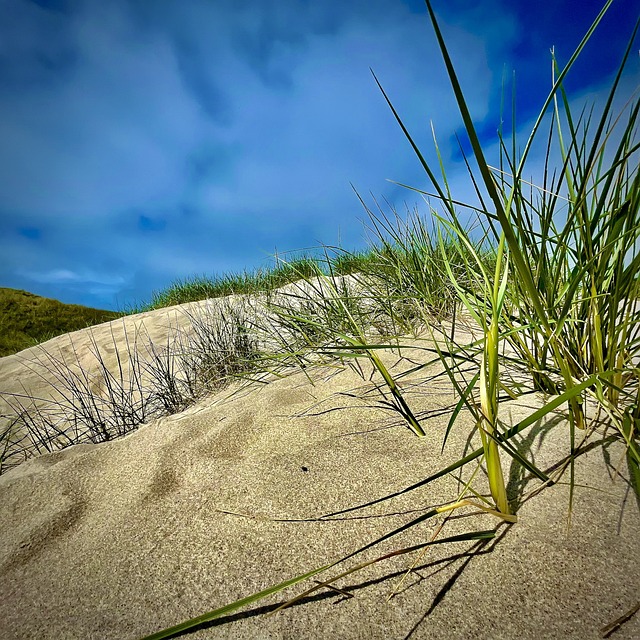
(146, 141)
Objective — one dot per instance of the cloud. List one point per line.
(149, 141)
(64, 276)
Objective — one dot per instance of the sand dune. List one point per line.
(192, 511)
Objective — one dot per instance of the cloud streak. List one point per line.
(144, 142)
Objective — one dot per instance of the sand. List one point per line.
(195, 510)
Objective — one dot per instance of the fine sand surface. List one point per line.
(196, 510)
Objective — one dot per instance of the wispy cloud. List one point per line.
(144, 142)
(63, 276)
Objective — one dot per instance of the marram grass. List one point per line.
(548, 271)
(553, 277)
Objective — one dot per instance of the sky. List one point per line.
(149, 141)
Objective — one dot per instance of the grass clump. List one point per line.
(346, 263)
(96, 397)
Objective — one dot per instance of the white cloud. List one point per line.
(67, 276)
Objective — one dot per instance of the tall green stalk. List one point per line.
(490, 383)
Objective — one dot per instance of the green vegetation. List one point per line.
(559, 290)
(545, 273)
(282, 272)
(28, 319)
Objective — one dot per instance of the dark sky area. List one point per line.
(148, 141)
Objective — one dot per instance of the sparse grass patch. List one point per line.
(112, 396)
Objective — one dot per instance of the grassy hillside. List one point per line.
(27, 319)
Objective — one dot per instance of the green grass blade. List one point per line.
(243, 602)
(540, 413)
(234, 606)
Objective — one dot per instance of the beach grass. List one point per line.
(282, 270)
(29, 319)
(532, 288)
(554, 295)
